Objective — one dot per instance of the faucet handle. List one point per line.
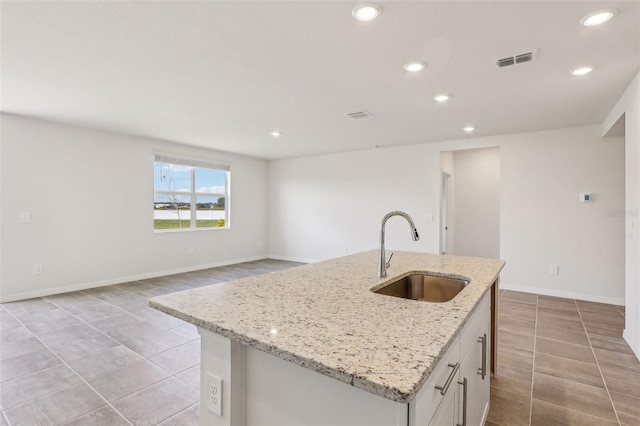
(388, 263)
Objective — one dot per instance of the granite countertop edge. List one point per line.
(361, 381)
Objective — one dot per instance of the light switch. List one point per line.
(586, 197)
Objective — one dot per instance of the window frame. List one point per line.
(192, 194)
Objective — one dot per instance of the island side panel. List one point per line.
(282, 393)
(225, 359)
(262, 389)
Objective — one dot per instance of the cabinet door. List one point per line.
(483, 384)
(447, 412)
(467, 384)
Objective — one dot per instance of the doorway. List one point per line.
(446, 242)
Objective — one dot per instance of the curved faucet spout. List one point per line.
(383, 264)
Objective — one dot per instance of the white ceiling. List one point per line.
(222, 75)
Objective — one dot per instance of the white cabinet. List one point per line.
(474, 377)
(457, 392)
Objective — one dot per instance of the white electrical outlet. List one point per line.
(25, 218)
(191, 252)
(214, 394)
(553, 269)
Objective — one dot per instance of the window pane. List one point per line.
(210, 212)
(210, 181)
(171, 177)
(171, 211)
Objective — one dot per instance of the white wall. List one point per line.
(476, 202)
(322, 206)
(90, 195)
(629, 105)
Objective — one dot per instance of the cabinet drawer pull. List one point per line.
(443, 389)
(464, 402)
(483, 370)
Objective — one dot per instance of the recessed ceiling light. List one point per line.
(275, 133)
(583, 70)
(469, 129)
(598, 18)
(441, 98)
(366, 12)
(414, 66)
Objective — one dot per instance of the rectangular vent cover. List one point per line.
(516, 59)
(357, 115)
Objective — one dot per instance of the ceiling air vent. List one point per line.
(516, 59)
(357, 115)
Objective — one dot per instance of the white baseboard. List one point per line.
(565, 294)
(292, 259)
(121, 280)
(633, 345)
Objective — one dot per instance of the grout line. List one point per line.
(533, 364)
(74, 372)
(3, 414)
(179, 412)
(100, 332)
(615, 411)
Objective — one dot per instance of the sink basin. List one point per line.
(424, 287)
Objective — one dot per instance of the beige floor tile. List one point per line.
(127, 380)
(603, 329)
(508, 408)
(190, 416)
(563, 349)
(105, 416)
(581, 372)
(585, 306)
(562, 334)
(617, 360)
(564, 311)
(158, 402)
(546, 414)
(516, 340)
(621, 381)
(610, 343)
(513, 357)
(602, 318)
(545, 320)
(557, 301)
(517, 326)
(520, 297)
(513, 380)
(576, 396)
(57, 408)
(628, 408)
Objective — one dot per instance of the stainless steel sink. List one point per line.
(425, 287)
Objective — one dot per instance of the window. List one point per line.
(189, 194)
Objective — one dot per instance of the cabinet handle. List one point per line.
(464, 402)
(444, 388)
(483, 370)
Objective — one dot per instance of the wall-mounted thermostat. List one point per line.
(586, 197)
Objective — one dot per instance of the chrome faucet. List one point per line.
(383, 263)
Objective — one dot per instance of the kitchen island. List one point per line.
(315, 345)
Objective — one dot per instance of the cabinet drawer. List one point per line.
(429, 398)
(470, 332)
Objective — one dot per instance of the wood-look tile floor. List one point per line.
(103, 357)
(563, 362)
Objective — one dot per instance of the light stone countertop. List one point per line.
(328, 319)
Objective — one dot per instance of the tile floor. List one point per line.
(563, 362)
(103, 357)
